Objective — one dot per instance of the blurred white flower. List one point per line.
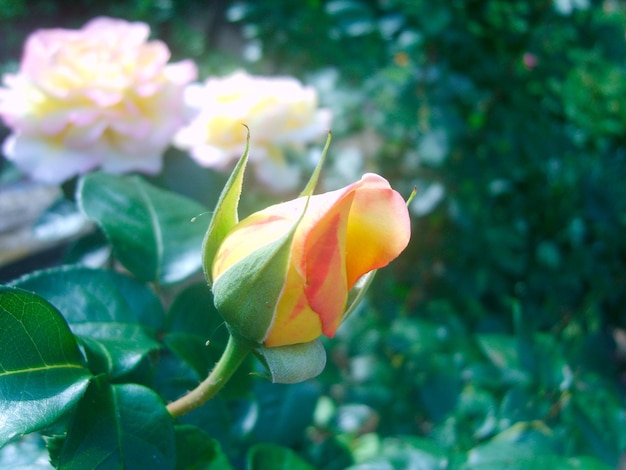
(280, 112)
(100, 96)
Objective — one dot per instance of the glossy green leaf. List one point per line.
(225, 216)
(272, 457)
(195, 331)
(118, 316)
(150, 229)
(198, 335)
(42, 373)
(197, 450)
(92, 250)
(119, 426)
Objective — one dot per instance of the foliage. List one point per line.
(509, 304)
(91, 366)
(497, 341)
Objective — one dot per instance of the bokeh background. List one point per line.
(500, 334)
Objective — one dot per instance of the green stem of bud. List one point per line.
(234, 354)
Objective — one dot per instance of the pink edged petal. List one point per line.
(326, 285)
(378, 227)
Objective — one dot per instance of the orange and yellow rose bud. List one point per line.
(283, 275)
(294, 271)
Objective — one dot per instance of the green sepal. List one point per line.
(225, 216)
(357, 292)
(310, 186)
(246, 294)
(294, 363)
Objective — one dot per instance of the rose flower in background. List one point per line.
(101, 96)
(280, 112)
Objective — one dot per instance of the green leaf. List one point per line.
(90, 250)
(115, 316)
(246, 294)
(192, 312)
(196, 332)
(197, 450)
(294, 363)
(119, 426)
(42, 372)
(225, 216)
(272, 457)
(150, 229)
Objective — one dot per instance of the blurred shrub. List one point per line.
(510, 119)
(516, 108)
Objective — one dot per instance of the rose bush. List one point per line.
(280, 112)
(101, 96)
(342, 235)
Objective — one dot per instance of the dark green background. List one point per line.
(497, 340)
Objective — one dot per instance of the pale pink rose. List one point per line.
(101, 96)
(279, 111)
